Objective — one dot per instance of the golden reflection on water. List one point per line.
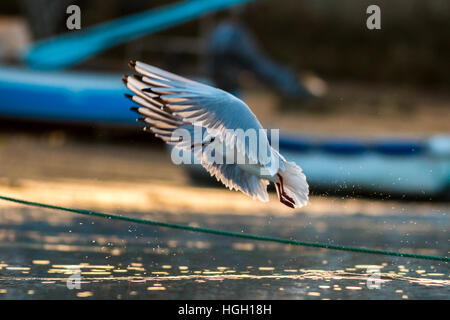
(152, 261)
(103, 273)
(42, 262)
(84, 294)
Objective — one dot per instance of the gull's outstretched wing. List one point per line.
(237, 179)
(171, 101)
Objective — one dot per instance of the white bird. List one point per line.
(169, 102)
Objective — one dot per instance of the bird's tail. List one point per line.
(291, 185)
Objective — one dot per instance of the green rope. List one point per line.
(227, 233)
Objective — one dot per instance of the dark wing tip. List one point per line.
(138, 77)
(125, 80)
(132, 64)
(129, 96)
(135, 109)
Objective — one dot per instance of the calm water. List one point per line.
(41, 249)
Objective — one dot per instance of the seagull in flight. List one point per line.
(168, 102)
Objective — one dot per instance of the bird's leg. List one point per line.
(282, 189)
(281, 197)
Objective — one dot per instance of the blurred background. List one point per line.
(366, 113)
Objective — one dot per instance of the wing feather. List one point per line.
(214, 108)
(235, 178)
(169, 102)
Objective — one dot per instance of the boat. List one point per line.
(69, 96)
(419, 168)
(385, 168)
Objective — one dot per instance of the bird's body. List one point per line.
(176, 109)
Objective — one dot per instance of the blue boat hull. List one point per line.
(64, 96)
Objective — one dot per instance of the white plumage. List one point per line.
(168, 102)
